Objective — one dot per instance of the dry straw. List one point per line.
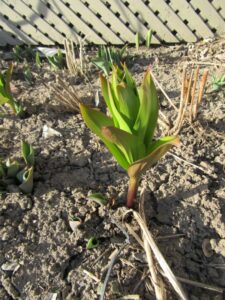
(154, 257)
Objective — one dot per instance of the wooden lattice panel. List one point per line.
(48, 22)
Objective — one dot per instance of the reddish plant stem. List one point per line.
(132, 191)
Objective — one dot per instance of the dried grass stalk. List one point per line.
(159, 257)
(70, 56)
(188, 95)
(66, 95)
(193, 102)
(157, 282)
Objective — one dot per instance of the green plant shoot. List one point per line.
(148, 38)
(137, 41)
(6, 96)
(129, 132)
(12, 172)
(57, 61)
(107, 57)
(218, 82)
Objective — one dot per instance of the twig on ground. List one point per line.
(114, 256)
(171, 236)
(92, 276)
(192, 62)
(201, 285)
(162, 90)
(191, 164)
(130, 297)
(158, 255)
(65, 94)
(160, 291)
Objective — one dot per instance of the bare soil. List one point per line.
(41, 257)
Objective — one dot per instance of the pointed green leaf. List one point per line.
(137, 41)
(118, 119)
(8, 79)
(12, 168)
(102, 65)
(27, 153)
(2, 169)
(158, 149)
(126, 142)
(148, 114)
(95, 120)
(129, 103)
(26, 179)
(98, 198)
(148, 38)
(92, 243)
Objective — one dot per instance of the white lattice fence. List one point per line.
(113, 21)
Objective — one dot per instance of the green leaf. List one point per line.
(12, 168)
(102, 65)
(38, 59)
(2, 169)
(27, 153)
(26, 178)
(95, 120)
(148, 38)
(126, 142)
(148, 114)
(98, 198)
(108, 94)
(8, 79)
(137, 41)
(92, 243)
(157, 150)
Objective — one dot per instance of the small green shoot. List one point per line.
(128, 132)
(218, 82)
(57, 61)
(98, 198)
(17, 53)
(148, 38)
(92, 243)
(21, 54)
(107, 57)
(27, 153)
(6, 96)
(28, 74)
(38, 59)
(12, 172)
(137, 41)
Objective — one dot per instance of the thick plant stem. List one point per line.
(132, 191)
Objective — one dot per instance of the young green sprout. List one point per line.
(12, 172)
(6, 96)
(218, 82)
(107, 57)
(128, 133)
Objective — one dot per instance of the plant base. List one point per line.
(132, 191)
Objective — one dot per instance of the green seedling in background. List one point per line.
(38, 59)
(129, 132)
(12, 172)
(92, 243)
(98, 198)
(20, 54)
(107, 57)
(148, 38)
(57, 61)
(6, 96)
(218, 82)
(17, 53)
(137, 41)
(28, 74)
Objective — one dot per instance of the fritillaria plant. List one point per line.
(128, 132)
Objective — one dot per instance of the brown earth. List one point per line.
(41, 257)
